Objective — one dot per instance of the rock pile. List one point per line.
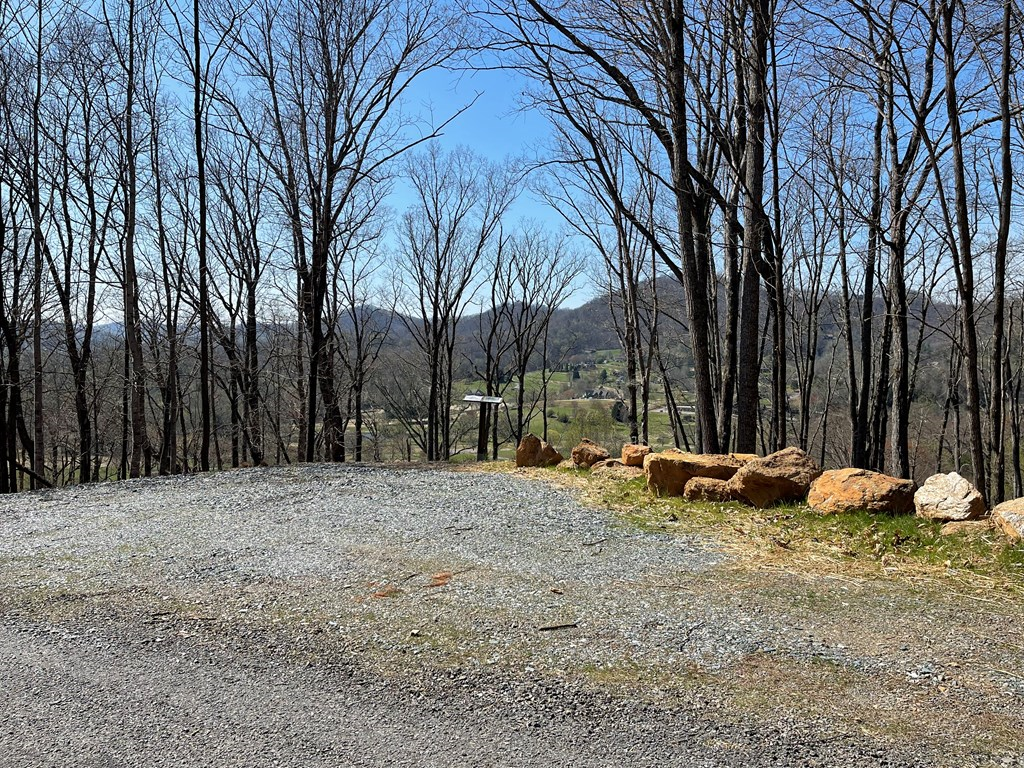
(668, 472)
(789, 475)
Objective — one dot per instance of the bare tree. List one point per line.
(326, 83)
(460, 200)
(540, 272)
(363, 311)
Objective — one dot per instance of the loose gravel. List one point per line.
(370, 616)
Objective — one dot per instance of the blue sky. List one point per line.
(492, 124)
(495, 126)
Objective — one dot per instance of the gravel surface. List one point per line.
(369, 616)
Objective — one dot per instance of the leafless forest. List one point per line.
(229, 232)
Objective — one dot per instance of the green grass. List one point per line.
(861, 535)
(794, 535)
(571, 418)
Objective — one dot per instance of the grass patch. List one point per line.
(794, 537)
(646, 679)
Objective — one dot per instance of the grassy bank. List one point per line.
(795, 537)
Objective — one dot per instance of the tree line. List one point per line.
(202, 263)
(832, 183)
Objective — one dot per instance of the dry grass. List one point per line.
(796, 540)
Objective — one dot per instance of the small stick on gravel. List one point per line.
(1007, 672)
(683, 587)
(553, 627)
(692, 630)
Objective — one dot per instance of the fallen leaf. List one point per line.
(440, 579)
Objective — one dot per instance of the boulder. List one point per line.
(617, 469)
(861, 490)
(969, 528)
(714, 465)
(588, 453)
(665, 476)
(785, 475)
(633, 454)
(534, 452)
(948, 497)
(1009, 516)
(668, 472)
(708, 489)
(743, 458)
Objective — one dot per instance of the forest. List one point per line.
(231, 235)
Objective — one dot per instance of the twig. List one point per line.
(553, 627)
(671, 586)
(690, 632)
(985, 599)
(1007, 673)
(104, 593)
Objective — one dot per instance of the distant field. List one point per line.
(573, 413)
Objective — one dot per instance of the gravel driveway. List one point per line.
(343, 615)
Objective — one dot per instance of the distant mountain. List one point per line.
(582, 329)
